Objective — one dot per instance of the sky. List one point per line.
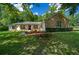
(77, 11)
(38, 10)
(41, 8)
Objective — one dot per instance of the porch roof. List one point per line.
(27, 23)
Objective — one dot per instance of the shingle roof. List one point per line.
(27, 23)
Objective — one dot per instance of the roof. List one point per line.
(27, 23)
(58, 15)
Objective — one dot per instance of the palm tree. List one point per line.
(72, 7)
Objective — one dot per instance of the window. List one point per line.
(35, 26)
(22, 26)
(13, 27)
(58, 24)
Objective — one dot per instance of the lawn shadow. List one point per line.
(11, 49)
(43, 41)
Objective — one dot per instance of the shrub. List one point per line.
(58, 29)
(3, 28)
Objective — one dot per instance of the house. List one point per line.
(58, 20)
(27, 26)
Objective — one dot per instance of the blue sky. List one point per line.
(41, 9)
(77, 11)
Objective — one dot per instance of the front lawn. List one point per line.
(14, 43)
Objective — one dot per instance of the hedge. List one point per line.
(58, 29)
(3, 28)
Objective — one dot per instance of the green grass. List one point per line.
(58, 43)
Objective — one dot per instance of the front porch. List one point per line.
(30, 27)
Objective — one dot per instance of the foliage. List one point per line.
(27, 13)
(72, 7)
(58, 29)
(3, 28)
(9, 13)
(52, 9)
(72, 20)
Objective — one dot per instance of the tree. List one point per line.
(72, 20)
(9, 13)
(72, 7)
(27, 12)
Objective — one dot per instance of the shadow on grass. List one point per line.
(43, 41)
(11, 49)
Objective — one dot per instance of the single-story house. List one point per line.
(27, 26)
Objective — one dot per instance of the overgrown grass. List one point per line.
(60, 43)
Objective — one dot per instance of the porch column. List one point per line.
(10, 28)
(32, 27)
(18, 27)
(43, 26)
(26, 27)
